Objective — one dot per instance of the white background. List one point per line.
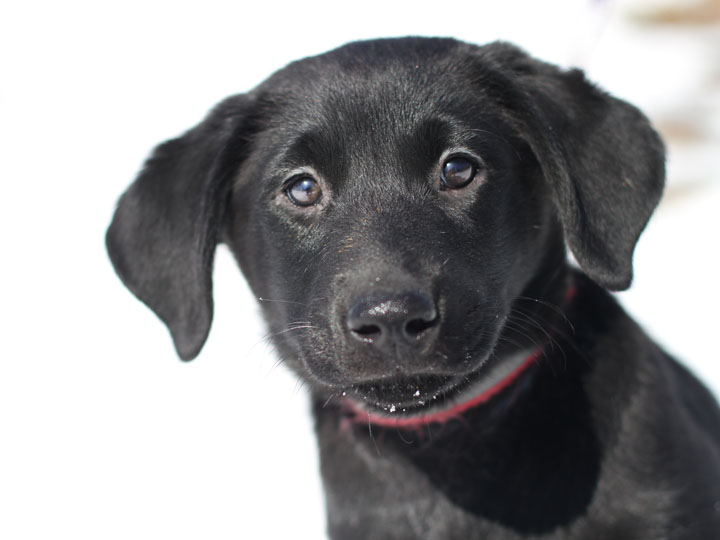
(103, 432)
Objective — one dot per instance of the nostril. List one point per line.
(418, 326)
(367, 332)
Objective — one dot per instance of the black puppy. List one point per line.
(406, 205)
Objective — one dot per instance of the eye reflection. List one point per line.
(457, 172)
(304, 191)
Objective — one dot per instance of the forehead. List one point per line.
(373, 84)
(377, 103)
(371, 106)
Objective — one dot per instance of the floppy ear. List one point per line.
(162, 238)
(604, 163)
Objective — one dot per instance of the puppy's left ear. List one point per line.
(162, 238)
(604, 162)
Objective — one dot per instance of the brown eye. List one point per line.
(457, 172)
(304, 191)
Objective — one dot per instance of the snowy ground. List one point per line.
(103, 433)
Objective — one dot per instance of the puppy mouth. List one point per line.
(422, 400)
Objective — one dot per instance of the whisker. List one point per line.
(294, 328)
(516, 327)
(403, 439)
(521, 316)
(372, 438)
(281, 301)
(551, 306)
(555, 344)
(300, 384)
(505, 339)
(280, 360)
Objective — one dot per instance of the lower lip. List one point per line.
(479, 394)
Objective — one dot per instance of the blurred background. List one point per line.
(103, 432)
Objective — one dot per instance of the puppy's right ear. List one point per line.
(162, 238)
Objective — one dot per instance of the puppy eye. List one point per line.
(457, 172)
(304, 191)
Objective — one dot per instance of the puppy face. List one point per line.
(389, 203)
(389, 228)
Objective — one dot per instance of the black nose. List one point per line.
(387, 321)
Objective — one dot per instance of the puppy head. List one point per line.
(390, 200)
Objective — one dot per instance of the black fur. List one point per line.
(605, 436)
